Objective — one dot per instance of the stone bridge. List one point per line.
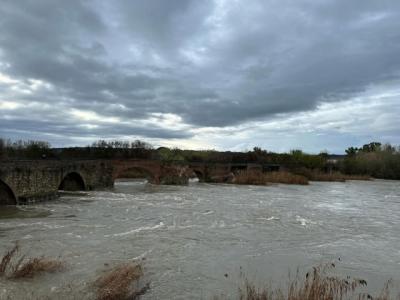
(23, 182)
(30, 181)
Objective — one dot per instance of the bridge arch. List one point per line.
(7, 196)
(72, 181)
(199, 174)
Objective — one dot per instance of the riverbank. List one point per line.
(300, 177)
(333, 176)
(260, 178)
(318, 283)
(122, 281)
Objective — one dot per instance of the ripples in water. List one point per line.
(22, 212)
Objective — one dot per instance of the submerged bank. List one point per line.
(302, 177)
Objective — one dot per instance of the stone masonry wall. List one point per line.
(33, 181)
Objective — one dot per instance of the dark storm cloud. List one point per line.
(73, 130)
(213, 63)
(164, 25)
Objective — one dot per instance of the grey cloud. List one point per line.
(164, 24)
(212, 65)
(71, 129)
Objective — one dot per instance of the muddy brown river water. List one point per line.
(194, 240)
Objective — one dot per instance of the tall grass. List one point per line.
(260, 178)
(6, 259)
(285, 177)
(314, 175)
(357, 177)
(317, 284)
(35, 266)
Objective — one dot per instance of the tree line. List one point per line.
(21, 149)
(101, 149)
(373, 159)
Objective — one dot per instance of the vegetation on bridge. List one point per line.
(24, 149)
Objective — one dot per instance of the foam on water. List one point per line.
(137, 230)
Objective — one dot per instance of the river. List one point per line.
(195, 240)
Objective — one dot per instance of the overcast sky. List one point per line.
(222, 74)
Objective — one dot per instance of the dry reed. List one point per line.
(336, 176)
(315, 175)
(285, 177)
(260, 178)
(358, 177)
(249, 177)
(316, 285)
(119, 283)
(6, 259)
(13, 267)
(36, 266)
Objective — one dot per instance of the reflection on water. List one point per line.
(18, 212)
(191, 236)
(72, 193)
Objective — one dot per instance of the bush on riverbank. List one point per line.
(374, 159)
(260, 178)
(316, 175)
(249, 177)
(121, 283)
